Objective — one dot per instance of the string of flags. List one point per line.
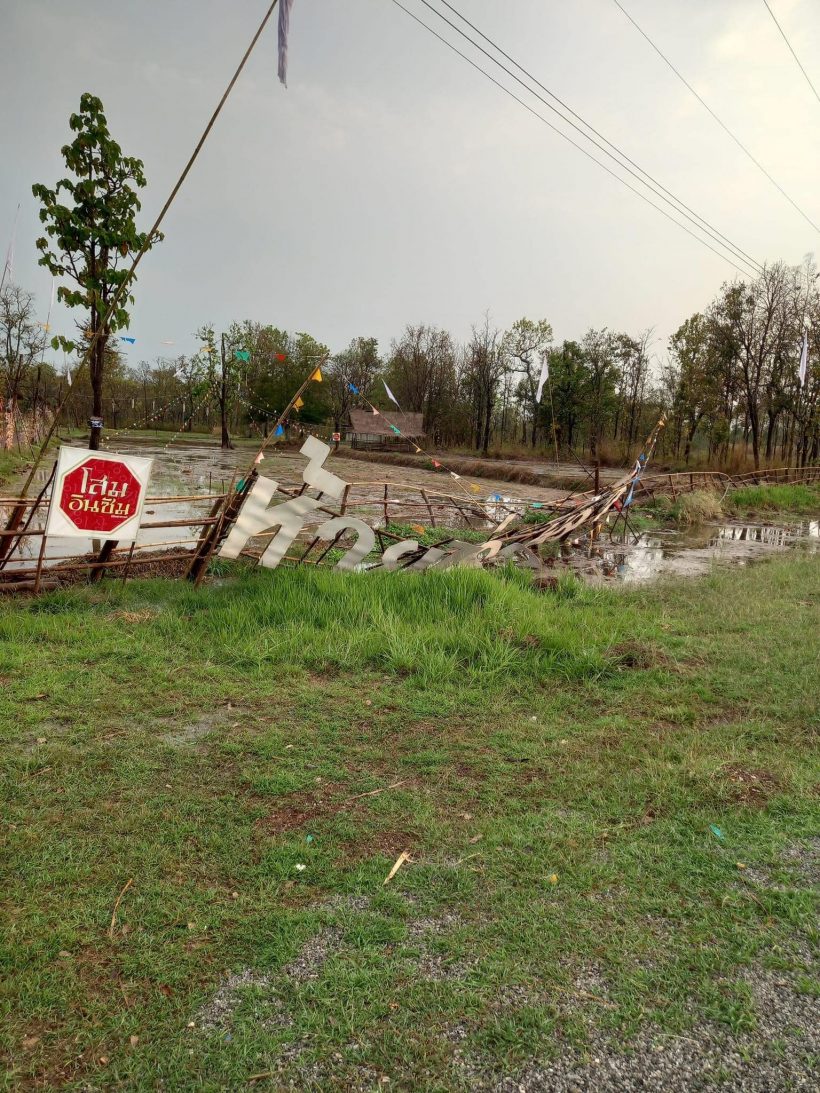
(437, 464)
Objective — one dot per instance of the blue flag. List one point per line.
(352, 387)
(279, 431)
(129, 340)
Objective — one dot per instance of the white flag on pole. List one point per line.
(390, 394)
(542, 379)
(804, 359)
(284, 27)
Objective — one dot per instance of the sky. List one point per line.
(391, 183)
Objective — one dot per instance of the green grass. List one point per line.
(800, 500)
(205, 743)
(12, 464)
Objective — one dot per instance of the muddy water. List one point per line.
(693, 552)
(194, 473)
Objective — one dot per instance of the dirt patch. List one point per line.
(188, 736)
(804, 859)
(218, 1013)
(640, 655)
(307, 966)
(390, 843)
(750, 787)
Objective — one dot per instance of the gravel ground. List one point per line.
(780, 1054)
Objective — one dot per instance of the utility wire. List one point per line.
(791, 50)
(720, 121)
(568, 139)
(656, 185)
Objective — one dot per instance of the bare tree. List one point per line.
(22, 340)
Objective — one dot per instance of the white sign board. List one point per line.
(98, 495)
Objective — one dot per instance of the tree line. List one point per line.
(728, 383)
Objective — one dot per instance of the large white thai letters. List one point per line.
(258, 517)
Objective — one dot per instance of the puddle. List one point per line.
(693, 552)
(195, 472)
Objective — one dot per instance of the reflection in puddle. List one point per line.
(692, 553)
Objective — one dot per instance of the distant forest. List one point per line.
(728, 381)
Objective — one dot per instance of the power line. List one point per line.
(720, 122)
(564, 136)
(791, 50)
(711, 229)
(715, 236)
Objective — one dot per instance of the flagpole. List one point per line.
(283, 416)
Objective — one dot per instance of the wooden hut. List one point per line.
(373, 432)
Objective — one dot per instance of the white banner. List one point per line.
(97, 495)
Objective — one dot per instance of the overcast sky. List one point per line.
(391, 183)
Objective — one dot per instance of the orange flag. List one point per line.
(317, 375)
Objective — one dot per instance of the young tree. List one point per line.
(92, 234)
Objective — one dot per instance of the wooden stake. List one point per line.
(40, 564)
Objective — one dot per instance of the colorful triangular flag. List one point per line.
(317, 375)
(279, 431)
(300, 402)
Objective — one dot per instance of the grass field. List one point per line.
(610, 799)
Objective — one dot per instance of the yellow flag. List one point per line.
(317, 375)
(300, 402)
(474, 487)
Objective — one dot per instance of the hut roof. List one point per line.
(370, 424)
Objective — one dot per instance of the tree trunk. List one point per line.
(98, 356)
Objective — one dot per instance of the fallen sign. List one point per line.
(282, 523)
(97, 494)
(286, 520)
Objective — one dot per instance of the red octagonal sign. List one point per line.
(99, 495)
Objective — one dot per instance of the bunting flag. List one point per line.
(242, 354)
(279, 431)
(317, 375)
(167, 343)
(284, 27)
(300, 402)
(68, 376)
(129, 340)
(390, 394)
(542, 379)
(474, 487)
(206, 349)
(375, 412)
(455, 476)
(396, 430)
(352, 387)
(418, 449)
(281, 356)
(804, 359)
(436, 464)
(259, 458)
